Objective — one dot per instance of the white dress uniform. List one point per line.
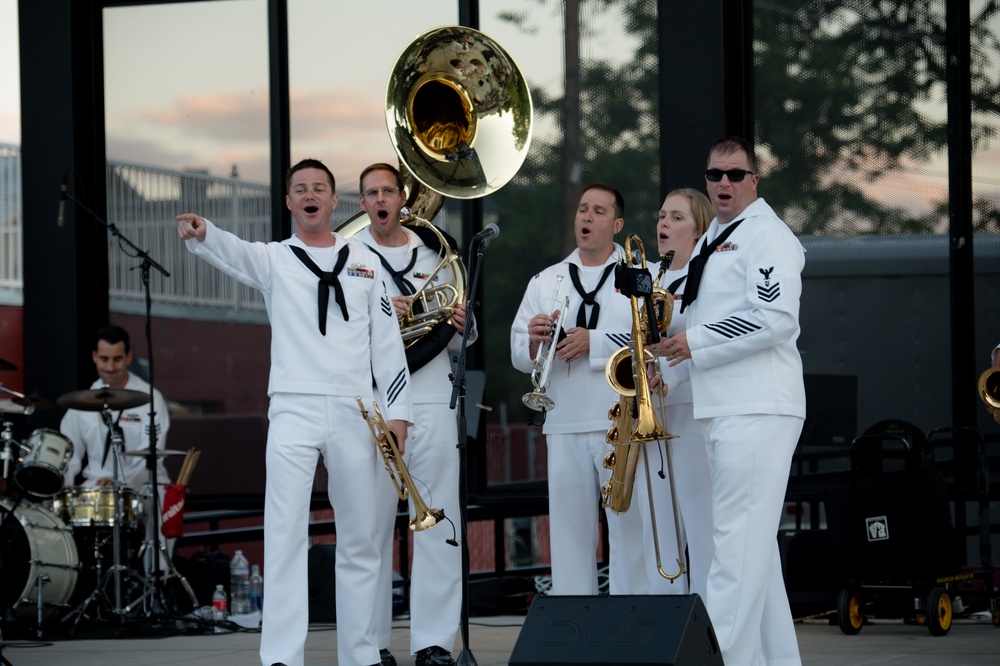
(313, 385)
(576, 428)
(432, 459)
(746, 377)
(89, 435)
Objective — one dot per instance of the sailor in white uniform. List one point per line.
(333, 330)
(743, 291)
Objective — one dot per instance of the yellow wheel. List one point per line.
(939, 612)
(850, 613)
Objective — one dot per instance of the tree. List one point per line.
(848, 91)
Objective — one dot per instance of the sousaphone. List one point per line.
(458, 112)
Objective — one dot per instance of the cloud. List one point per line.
(239, 116)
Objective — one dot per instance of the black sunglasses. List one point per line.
(734, 175)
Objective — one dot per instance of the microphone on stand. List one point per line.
(488, 233)
(62, 203)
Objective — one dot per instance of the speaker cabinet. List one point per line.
(322, 583)
(635, 630)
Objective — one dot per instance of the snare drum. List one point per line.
(95, 507)
(35, 544)
(40, 470)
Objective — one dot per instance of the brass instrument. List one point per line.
(540, 367)
(452, 90)
(385, 442)
(989, 391)
(634, 421)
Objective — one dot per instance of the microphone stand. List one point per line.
(465, 657)
(147, 263)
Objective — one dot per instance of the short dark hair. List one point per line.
(380, 166)
(309, 163)
(734, 144)
(112, 335)
(619, 199)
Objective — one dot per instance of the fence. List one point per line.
(11, 214)
(142, 203)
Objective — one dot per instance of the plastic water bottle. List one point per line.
(219, 610)
(256, 589)
(239, 584)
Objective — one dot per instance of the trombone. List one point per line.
(385, 442)
(537, 399)
(633, 419)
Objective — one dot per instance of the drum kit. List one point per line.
(76, 548)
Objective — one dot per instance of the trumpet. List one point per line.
(989, 391)
(385, 442)
(544, 357)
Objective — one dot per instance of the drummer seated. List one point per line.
(122, 398)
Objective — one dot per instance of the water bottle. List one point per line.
(256, 589)
(239, 584)
(219, 610)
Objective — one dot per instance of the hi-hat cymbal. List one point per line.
(94, 400)
(159, 453)
(7, 365)
(14, 407)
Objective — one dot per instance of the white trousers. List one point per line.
(749, 457)
(303, 427)
(575, 473)
(432, 460)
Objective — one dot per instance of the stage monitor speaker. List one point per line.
(667, 630)
(322, 584)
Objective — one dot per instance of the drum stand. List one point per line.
(116, 570)
(153, 548)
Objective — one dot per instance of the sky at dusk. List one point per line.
(194, 94)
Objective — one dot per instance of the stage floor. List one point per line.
(491, 640)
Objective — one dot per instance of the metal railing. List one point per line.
(11, 215)
(142, 203)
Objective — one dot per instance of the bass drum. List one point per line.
(33, 543)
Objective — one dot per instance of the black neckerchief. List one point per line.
(589, 298)
(697, 265)
(405, 287)
(326, 280)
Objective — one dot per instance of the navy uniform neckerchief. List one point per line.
(589, 298)
(697, 265)
(326, 280)
(405, 287)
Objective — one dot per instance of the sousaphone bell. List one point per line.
(458, 112)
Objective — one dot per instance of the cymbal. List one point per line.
(159, 453)
(14, 407)
(34, 401)
(94, 400)
(7, 365)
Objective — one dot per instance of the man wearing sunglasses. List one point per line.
(749, 396)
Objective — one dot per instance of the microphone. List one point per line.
(62, 203)
(490, 232)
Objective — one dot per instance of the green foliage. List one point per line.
(847, 92)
